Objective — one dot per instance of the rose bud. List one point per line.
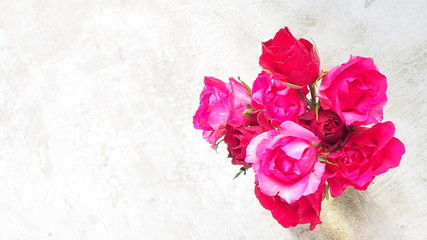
(237, 139)
(290, 59)
(327, 126)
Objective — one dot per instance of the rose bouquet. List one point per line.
(305, 132)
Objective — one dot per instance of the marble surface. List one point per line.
(96, 106)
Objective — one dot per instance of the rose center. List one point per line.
(331, 126)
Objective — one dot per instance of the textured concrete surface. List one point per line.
(96, 104)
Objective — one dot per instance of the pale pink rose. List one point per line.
(367, 153)
(220, 103)
(305, 210)
(356, 91)
(278, 101)
(286, 162)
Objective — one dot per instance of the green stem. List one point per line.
(313, 95)
(304, 98)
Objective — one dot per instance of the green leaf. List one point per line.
(245, 85)
(220, 141)
(327, 162)
(248, 112)
(321, 75)
(291, 85)
(267, 71)
(237, 174)
(242, 170)
(304, 98)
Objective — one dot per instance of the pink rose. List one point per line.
(355, 90)
(305, 210)
(220, 103)
(327, 125)
(367, 153)
(286, 162)
(289, 59)
(240, 97)
(280, 102)
(237, 139)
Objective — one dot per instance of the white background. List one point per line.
(96, 106)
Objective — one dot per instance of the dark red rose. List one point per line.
(289, 59)
(237, 139)
(328, 126)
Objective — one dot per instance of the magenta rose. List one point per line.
(356, 91)
(367, 153)
(279, 102)
(305, 210)
(237, 139)
(292, 60)
(220, 103)
(286, 162)
(240, 97)
(327, 125)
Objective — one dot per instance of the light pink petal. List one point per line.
(295, 149)
(258, 142)
(315, 178)
(291, 193)
(289, 128)
(270, 185)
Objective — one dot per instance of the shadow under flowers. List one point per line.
(345, 217)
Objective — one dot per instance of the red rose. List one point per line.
(355, 90)
(327, 126)
(237, 139)
(367, 153)
(305, 210)
(289, 59)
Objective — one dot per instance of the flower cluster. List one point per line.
(304, 131)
